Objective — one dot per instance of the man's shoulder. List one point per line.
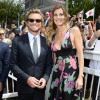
(20, 37)
(43, 37)
(3, 44)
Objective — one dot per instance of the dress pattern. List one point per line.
(65, 73)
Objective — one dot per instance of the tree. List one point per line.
(76, 6)
(10, 11)
(97, 8)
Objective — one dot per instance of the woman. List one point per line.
(67, 77)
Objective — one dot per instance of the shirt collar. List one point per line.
(31, 36)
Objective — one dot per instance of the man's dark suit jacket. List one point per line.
(23, 65)
(4, 60)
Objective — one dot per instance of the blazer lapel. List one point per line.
(28, 48)
(42, 48)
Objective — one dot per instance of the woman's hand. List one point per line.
(79, 82)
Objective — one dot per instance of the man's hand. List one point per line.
(1, 86)
(33, 82)
(42, 83)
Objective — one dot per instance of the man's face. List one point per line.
(47, 14)
(34, 22)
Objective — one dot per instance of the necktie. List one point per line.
(35, 49)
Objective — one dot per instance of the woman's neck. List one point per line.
(62, 29)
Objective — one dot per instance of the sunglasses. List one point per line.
(34, 20)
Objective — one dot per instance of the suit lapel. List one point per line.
(28, 48)
(42, 48)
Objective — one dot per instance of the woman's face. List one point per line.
(59, 17)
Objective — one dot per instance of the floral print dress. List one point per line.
(65, 73)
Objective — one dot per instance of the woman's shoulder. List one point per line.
(75, 30)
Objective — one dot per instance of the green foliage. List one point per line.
(9, 11)
(75, 6)
(78, 5)
(97, 8)
(87, 5)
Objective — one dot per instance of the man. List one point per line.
(47, 19)
(31, 59)
(4, 59)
